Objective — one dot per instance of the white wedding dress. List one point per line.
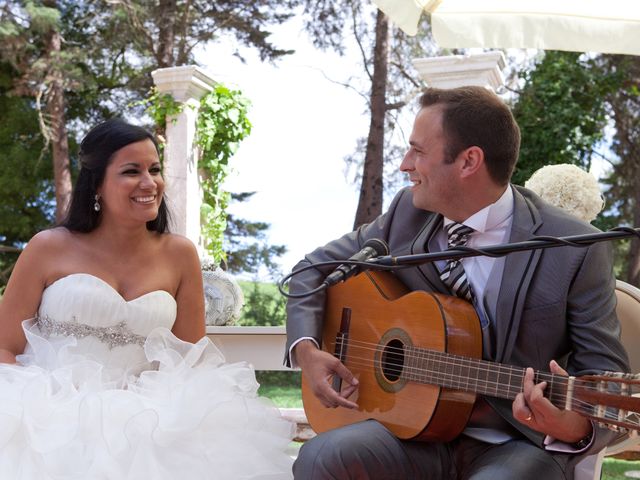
(104, 390)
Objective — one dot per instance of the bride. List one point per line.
(106, 371)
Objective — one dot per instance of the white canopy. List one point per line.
(607, 26)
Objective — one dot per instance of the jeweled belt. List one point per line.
(114, 335)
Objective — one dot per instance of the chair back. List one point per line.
(628, 311)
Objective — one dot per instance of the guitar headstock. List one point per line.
(612, 399)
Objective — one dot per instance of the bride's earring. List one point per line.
(96, 205)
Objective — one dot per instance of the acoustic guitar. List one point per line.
(417, 357)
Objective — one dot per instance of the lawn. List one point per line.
(282, 396)
(614, 469)
(283, 388)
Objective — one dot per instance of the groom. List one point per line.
(550, 309)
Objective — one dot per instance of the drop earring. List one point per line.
(96, 205)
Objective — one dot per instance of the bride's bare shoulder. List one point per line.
(52, 238)
(183, 250)
(178, 244)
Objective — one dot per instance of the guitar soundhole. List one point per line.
(389, 359)
(393, 360)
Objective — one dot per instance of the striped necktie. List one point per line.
(453, 274)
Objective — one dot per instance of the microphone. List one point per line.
(372, 248)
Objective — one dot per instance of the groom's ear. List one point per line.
(470, 161)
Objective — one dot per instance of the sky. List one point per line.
(304, 124)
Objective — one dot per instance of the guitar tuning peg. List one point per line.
(624, 376)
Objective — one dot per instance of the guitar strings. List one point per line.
(406, 371)
(579, 406)
(432, 355)
(459, 360)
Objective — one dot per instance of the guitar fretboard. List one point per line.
(472, 375)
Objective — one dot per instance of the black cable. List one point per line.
(366, 265)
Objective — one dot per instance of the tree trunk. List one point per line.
(166, 33)
(55, 109)
(626, 108)
(371, 189)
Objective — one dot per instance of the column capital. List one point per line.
(451, 71)
(183, 83)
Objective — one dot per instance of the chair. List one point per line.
(628, 311)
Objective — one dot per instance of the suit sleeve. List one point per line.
(305, 315)
(594, 329)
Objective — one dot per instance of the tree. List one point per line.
(68, 59)
(32, 43)
(246, 244)
(63, 47)
(623, 195)
(263, 305)
(166, 32)
(371, 187)
(247, 252)
(26, 189)
(568, 103)
(391, 82)
(561, 111)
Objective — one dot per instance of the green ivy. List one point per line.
(221, 125)
(159, 106)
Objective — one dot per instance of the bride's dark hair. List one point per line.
(96, 150)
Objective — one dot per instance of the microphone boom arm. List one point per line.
(389, 262)
(534, 243)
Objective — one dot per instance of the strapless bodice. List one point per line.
(84, 299)
(81, 315)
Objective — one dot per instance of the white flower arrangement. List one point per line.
(223, 298)
(570, 188)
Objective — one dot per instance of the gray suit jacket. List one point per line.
(557, 303)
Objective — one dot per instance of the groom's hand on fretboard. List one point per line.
(535, 410)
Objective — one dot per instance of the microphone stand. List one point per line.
(535, 243)
(389, 262)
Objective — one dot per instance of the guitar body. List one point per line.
(385, 319)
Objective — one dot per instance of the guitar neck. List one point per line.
(477, 376)
(611, 398)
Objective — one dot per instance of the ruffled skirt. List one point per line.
(190, 416)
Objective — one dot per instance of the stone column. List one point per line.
(451, 71)
(184, 194)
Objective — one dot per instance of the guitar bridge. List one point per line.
(342, 341)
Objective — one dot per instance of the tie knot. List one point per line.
(457, 234)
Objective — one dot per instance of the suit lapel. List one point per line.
(518, 271)
(429, 270)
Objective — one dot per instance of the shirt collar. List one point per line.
(491, 216)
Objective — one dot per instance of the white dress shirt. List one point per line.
(492, 226)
